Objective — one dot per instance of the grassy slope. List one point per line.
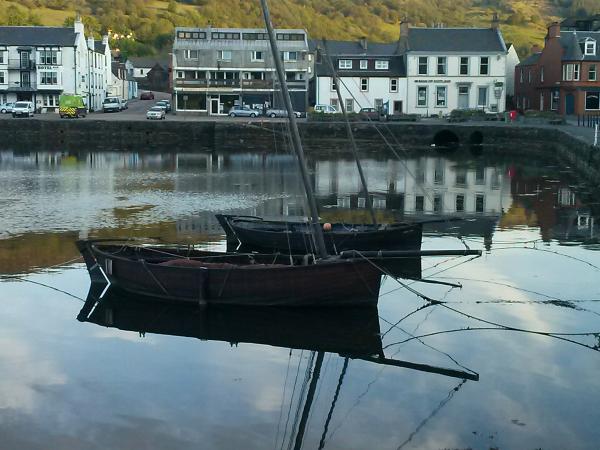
(334, 25)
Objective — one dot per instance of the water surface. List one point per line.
(71, 384)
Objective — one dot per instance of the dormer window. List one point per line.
(364, 64)
(345, 64)
(382, 65)
(590, 47)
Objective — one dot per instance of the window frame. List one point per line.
(364, 84)
(442, 63)
(479, 97)
(345, 64)
(482, 65)
(423, 62)
(382, 64)
(444, 103)
(364, 64)
(254, 58)
(392, 87)
(594, 71)
(426, 90)
(221, 55)
(462, 64)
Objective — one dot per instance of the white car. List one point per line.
(111, 104)
(325, 109)
(7, 107)
(156, 112)
(23, 109)
(280, 113)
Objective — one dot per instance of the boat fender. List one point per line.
(326, 226)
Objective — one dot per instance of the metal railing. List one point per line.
(589, 120)
(20, 64)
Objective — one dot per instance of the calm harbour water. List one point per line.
(67, 384)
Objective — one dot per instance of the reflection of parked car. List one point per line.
(156, 112)
(111, 104)
(326, 109)
(243, 111)
(371, 114)
(280, 113)
(166, 104)
(7, 107)
(23, 109)
(147, 95)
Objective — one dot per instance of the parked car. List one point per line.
(7, 107)
(371, 114)
(149, 95)
(243, 111)
(111, 104)
(124, 104)
(165, 103)
(280, 113)
(325, 109)
(23, 109)
(156, 112)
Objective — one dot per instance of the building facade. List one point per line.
(216, 68)
(454, 68)
(371, 75)
(39, 63)
(563, 76)
(99, 72)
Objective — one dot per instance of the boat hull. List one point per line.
(237, 279)
(295, 237)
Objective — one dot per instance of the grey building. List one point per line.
(216, 68)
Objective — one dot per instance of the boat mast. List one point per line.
(296, 143)
(336, 82)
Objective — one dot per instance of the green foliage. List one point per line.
(152, 21)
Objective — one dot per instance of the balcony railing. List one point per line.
(25, 86)
(20, 64)
(207, 83)
(257, 84)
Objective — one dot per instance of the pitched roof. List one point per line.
(530, 60)
(455, 40)
(355, 48)
(572, 51)
(59, 36)
(149, 61)
(99, 47)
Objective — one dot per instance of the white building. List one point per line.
(454, 68)
(122, 83)
(372, 75)
(99, 71)
(40, 63)
(512, 60)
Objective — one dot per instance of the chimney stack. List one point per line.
(78, 24)
(403, 39)
(495, 21)
(90, 43)
(363, 43)
(553, 31)
(105, 39)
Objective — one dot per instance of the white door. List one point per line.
(463, 97)
(214, 105)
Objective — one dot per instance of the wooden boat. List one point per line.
(211, 278)
(256, 233)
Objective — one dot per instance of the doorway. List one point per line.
(397, 106)
(214, 105)
(569, 104)
(463, 97)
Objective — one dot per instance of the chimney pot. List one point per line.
(495, 21)
(363, 43)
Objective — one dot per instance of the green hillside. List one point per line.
(145, 26)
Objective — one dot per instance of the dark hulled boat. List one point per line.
(210, 278)
(256, 233)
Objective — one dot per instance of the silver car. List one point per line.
(243, 111)
(7, 107)
(280, 113)
(156, 112)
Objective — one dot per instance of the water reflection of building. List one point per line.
(426, 185)
(556, 208)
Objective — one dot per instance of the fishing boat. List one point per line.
(257, 233)
(243, 279)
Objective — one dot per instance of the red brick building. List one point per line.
(563, 76)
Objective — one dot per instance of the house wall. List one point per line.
(452, 80)
(512, 59)
(350, 87)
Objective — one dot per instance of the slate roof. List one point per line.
(142, 62)
(530, 60)
(99, 47)
(455, 40)
(355, 51)
(572, 51)
(31, 36)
